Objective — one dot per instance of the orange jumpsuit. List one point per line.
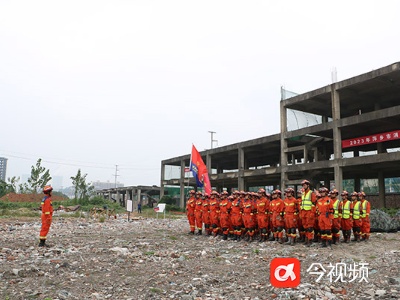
(307, 214)
(198, 214)
(324, 210)
(224, 209)
(190, 204)
(236, 217)
(277, 206)
(357, 221)
(214, 214)
(47, 216)
(262, 207)
(300, 227)
(206, 216)
(347, 220)
(290, 211)
(248, 220)
(365, 224)
(337, 218)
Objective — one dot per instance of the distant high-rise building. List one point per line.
(3, 168)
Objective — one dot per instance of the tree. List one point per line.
(8, 187)
(39, 177)
(83, 190)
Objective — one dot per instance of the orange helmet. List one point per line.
(335, 191)
(361, 194)
(261, 191)
(354, 194)
(344, 193)
(305, 182)
(47, 189)
(323, 190)
(289, 191)
(192, 192)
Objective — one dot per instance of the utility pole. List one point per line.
(116, 175)
(212, 138)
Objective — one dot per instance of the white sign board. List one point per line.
(129, 205)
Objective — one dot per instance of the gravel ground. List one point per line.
(157, 259)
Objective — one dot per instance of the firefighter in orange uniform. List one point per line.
(236, 216)
(365, 211)
(307, 213)
(277, 207)
(198, 213)
(300, 227)
(47, 215)
(214, 212)
(357, 221)
(248, 220)
(224, 210)
(205, 214)
(324, 211)
(337, 215)
(291, 211)
(190, 204)
(262, 207)
(347, 216)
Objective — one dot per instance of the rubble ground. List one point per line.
(157, 259)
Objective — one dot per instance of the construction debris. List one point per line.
(157, 259)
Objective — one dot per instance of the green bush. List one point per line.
(390, 211)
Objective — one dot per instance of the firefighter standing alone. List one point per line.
(47, 215)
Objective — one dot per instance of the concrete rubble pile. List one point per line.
(157, 259)
(382, 222)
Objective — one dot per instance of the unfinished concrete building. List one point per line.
(356, 138)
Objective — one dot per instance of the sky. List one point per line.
(93, 84)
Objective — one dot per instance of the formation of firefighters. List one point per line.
(304, 216)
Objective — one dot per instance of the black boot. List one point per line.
(191, 232)
(225, 237)
(334, 240)
(198, 232)
(330, 243)
(323, 244)
(42, 243)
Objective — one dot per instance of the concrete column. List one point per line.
(109, 196)
(337, 136)
(182, 185)
(338, 178)
(162, 180)
(139, 196)
(208, 163)
(283, 155)
(381, 188)
(241, 166)
(118, 198)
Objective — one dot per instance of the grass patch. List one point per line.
(149, 253)
(372, 257)
(155, 290)
(174, 238)
(256, 251)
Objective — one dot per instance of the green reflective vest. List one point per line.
(364, 209)
(346, 210)
(356, 210)
(336, 208)
(306, 203)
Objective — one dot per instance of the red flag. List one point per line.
(199, 170)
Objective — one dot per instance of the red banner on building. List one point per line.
(371, 139)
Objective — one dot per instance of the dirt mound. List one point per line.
(13, 197)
